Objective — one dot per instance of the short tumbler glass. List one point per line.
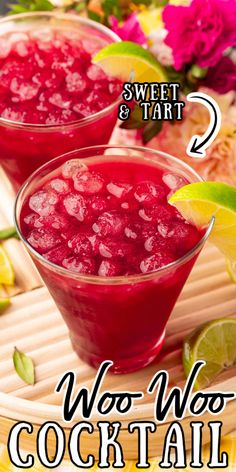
(120, 318)
(24, 147)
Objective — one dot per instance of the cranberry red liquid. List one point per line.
(52, 98)
(112, 251)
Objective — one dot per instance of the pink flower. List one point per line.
(130, 29)
(220, 161)
(222, 77)
(200, 32)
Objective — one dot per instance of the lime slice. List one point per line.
(123, 59)
(5, 463)
(4, 303)
(200, 201)
(215, 344)
(231, 269)
(6, 270)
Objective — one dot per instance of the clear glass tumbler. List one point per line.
(122, 319)
(25, 146)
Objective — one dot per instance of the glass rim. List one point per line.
(81, 121)
(123, 279)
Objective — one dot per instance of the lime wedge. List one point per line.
(5, 463)
(123, 59)
(231, 269)
(6, 270)
(215, 344)
(4, 303)
(200, 201)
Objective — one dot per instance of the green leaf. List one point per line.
(43, 5)
(135, 120)
(8, 233)
(79, 7)
(31, 6)
(160, 3)
(24, 367)
(153, 3)
(107, 6)
(142, 2)
(94, 16)
(15, 9)
(112, 7)
(151, 130)
(174, 75)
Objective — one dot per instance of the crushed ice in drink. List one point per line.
(34, 63)
(43, 202)
(71, 167)
(174, 181)
(88, 183)
(43, 239)
(119, 190)
(75, 205)
(88, 221)
(149, 193)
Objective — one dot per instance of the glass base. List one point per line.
(122, 366)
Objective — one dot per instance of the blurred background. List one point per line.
(3, 6)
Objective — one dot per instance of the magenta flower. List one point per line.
(201, 32)
(222, 77)
(130, 29)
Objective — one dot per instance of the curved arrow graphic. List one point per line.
(198, 144)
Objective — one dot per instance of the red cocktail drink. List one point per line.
(111, 250)
(53, 99)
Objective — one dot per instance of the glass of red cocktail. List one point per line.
(52, 98)
(111, 250)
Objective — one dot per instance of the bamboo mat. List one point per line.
(34, 325)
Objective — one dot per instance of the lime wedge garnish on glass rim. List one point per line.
(126, 59)
(7, 275)
(215, 344)
(199, 202)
